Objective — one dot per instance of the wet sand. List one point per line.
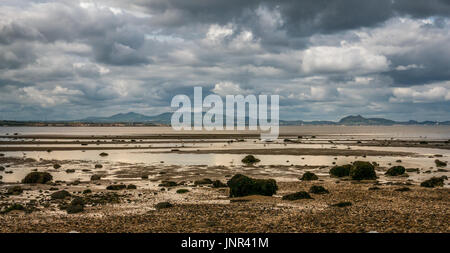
(206, 209)
(376, 205)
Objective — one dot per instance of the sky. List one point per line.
(69, 59)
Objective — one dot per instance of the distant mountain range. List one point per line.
(130, 117)
(165, 118)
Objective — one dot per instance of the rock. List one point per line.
(76, 206)
(116, 187)
(218, 184)
(56, 166)
(98, 166)
(241, 185)
(168, 184)
(103, 154)
(374, 188)
(70, 171)
(203, 181)
(37, 178)
(412, 170)
(60, 194)
(2, 168)
(131, 187)
(403, 189)
(395, 171)
(13, 207)
(181, 191)
(340, 171)
(433, 182)
(342, 204)
(96, 177)
(144, 176)
(440, 163)
(14, 190)
(87, 191)
(162, 205)
(297, 195)
(308, 176)
(317, 189)
(250, 159)
(362, 170)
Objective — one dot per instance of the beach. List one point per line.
(181, 170)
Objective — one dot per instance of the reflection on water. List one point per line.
(377, 132)
(346, 135)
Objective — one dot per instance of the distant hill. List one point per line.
(165, 118)
(360, 120)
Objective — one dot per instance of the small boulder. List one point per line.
(168, 184)
(56, 166)
(131, 187)
(14, 190)
(403, 189)
(440, 163)
(37, 178)
(60, 194)
(433, 182)
(98, 166)
(203, 181)
(342, 204)
(87, 191)
(181, 191)
(297, 195)
(317, 189)
(218, 184)
(96, 177)
(340, 171)
(362, 170)
(250, 159)
(76, 206)
(116, 187)
(308, 176)
(395, 171)
(162, 205)
(241, 185)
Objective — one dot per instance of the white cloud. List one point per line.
(422, 94)
(356, 59)
(408, 67)
(228, 88)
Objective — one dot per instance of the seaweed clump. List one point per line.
(308, 176)
(434, 182)
(297, 195)
(250, 159)
(340, 171)
(241, 185)
(362, 170)
(37, 178)
(396, 171)
(317, 189)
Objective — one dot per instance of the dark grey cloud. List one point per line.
(326, 59)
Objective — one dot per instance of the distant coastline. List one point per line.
(132, 119)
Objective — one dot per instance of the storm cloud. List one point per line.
(326, 59)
